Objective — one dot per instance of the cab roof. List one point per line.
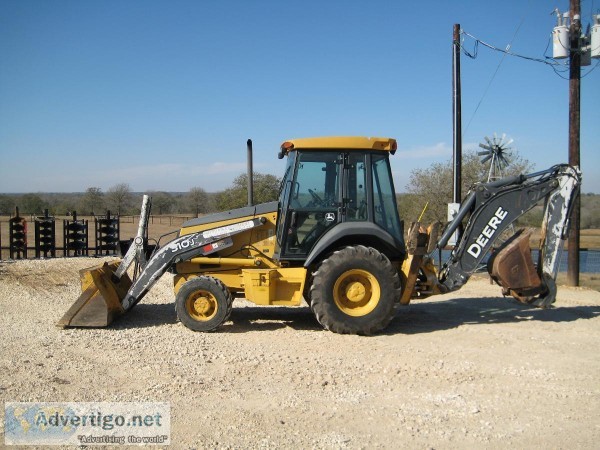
(339, 143)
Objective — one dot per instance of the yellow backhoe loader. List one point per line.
(335, 239)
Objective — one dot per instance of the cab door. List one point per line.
(314, 203)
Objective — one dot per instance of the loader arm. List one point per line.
(136, 251)
(107, 290)
(181, 249)
(492, 207)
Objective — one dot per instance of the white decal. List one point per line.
(228, 229)
(178, 246)
(486, 234)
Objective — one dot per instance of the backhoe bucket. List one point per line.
(512, 268)
(100, 299)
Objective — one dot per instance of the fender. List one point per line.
(357, 232)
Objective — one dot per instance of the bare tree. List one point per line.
(266, 188)
(93, 200)
(118, 197)
(433, 185)
(162, 202)
(198, 200)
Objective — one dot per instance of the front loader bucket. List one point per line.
(100, 299)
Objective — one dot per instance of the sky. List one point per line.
(163, 95)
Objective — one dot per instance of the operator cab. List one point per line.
(333, 181)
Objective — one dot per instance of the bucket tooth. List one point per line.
(100, 300)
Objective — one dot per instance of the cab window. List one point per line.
(384, 198)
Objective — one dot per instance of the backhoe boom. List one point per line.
(492, 207)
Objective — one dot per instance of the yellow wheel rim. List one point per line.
(201, 306)
(356, 292)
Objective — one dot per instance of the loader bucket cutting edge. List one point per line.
(100, 299)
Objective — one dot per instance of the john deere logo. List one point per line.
(490, 229)
(330, 217)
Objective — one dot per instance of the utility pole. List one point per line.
(456, 134)
(456, 116)
(574, 133)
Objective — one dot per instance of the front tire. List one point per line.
(354, 291)
(203, 304)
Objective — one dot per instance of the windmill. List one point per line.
(497, 150)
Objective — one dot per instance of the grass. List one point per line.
(589, 239)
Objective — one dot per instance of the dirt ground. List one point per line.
(465, 370)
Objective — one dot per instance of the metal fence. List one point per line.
(66, 236)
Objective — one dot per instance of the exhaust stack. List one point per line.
(250, 181)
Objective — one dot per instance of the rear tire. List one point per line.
(203, 304)
(354, 291)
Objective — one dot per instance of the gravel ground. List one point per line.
(468, 369)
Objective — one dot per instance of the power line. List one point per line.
(556, 66)
(507, 51)
(497, 69)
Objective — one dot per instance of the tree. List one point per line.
(32, 204)
(7, 205)
(162, 202)
(410, 207)
(92, 201)
(433, 185)
(197, 200)
(64, 204)
(118, 198)
(266, 188)
(590, 211)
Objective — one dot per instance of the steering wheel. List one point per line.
(315, 197)
(312, 236)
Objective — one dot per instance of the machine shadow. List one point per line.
(429, 317)
(244, 319)
(147, 315)
(271, 318)
(415, 318)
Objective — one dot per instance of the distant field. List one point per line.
(588, 280)
(590, 239)
(160, 225)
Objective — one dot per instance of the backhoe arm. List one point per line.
(492, 207)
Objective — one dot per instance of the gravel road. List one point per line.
(469, 369)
